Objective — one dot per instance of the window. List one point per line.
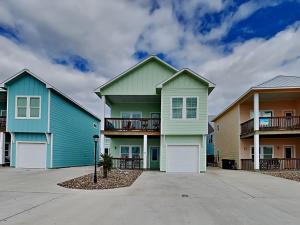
(265, 152)
(177, 108)
(28, 107)
(191, 108)
(124, 151)
(135, 151)
(106, 151)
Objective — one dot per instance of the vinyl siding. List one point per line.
(73, 132)
(184, 85)
(182, 140)
(30, 137)
(141, 81)
(227, 138)
(27, 85)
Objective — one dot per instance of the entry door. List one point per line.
(154, 158)
(289, 152)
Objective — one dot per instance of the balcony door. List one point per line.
(131, 124)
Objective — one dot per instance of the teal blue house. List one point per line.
(40, 127)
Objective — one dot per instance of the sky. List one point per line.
(78, 46)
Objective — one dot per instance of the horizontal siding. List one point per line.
(73, 131)
(227, 135)
(141, 81)
(184, 85)
(28, 86)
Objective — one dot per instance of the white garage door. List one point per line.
(31, 155)
(182, 158)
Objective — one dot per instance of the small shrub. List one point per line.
(106, 163)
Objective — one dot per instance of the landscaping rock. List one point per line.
(287, 174)
(115, 179)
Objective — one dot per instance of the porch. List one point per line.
(275, 153)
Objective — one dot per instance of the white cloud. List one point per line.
(106, 32)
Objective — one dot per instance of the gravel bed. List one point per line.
(287, 174)
(115, 179)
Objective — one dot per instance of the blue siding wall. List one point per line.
(73, 132)
(28, 86)
(38, 137)
(210, 144)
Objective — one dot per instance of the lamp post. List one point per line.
(96, 139)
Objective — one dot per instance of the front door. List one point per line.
(154, 158)
(289, 152)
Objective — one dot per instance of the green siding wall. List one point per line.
(181, 139)
(141, 81)
(73, 132)
(33, 137)
(27, 86)
(145, 108)
(184, 85)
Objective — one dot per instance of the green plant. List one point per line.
(106, 163)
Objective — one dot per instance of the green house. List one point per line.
(158, 117)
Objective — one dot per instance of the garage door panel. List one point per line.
(31, 155)
(182, 158)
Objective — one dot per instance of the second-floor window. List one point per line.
(184, 107)
(28, 107)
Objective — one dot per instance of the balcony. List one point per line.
(2, 123)
(272, 124)
(132, 126)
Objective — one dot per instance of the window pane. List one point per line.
(21, 112)
(177, 102)
(124, 152)
(191, 102)
(191, 113)
(34, 102)
(154, 155)
(135, 152)
(34, 112)
(22, 101)
(267, 152)
(177, 113)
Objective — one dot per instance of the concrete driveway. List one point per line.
(217, 197)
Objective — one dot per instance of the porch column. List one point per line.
(256, 129)
(102, 138)
(145, 148)
(2, 148)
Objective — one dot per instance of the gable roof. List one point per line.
(277, 82)
(281, 81)
(210, 84)
(152, 57)
(49, 86)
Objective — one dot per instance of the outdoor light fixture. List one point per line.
(96, 139)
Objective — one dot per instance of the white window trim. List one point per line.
(184, 108)
(27, 107)
(130, 150)
(261, 146)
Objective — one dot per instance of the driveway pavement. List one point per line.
(216, 197)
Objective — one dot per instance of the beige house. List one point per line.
(261, 129)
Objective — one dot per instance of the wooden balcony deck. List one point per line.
(288, 123)
(132, 126)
